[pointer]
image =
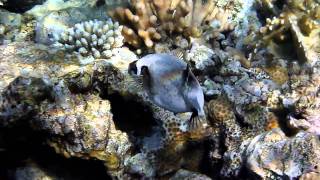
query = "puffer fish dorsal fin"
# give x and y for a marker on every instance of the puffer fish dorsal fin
(188, 77)
(186, 74)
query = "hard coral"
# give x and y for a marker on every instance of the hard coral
(92, 38)
(149, 21)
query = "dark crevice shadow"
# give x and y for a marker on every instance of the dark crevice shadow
(131, 116)
(21, 146)
(21, 6)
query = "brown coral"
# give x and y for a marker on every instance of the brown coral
(148, 21)
(220, 110)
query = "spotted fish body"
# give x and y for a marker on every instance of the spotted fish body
(170, 84)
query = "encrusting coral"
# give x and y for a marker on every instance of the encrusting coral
(91, 38)
(149, 21)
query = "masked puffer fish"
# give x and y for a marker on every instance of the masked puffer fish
(170, 84)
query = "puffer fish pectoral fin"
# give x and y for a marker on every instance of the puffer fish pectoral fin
(146, 77)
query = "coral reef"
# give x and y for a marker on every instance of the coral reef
(80, 124)
(257, 62)
(62, 120)
(92, 38)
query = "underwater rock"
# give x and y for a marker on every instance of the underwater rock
(57, 21)
(140, 164)
(116, 3)
(310, 176)
(274, 155)
(57, 5)
(10, 19)
(10, 23)
(15, 27)
(79, 123)
(201, 56)
(223, 118)
(185, 174)
(32, 171)
(307, 46)
(294, 29)
(86, 131)
(91, 38)
(21, 99)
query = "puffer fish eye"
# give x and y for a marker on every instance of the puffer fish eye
(133, 68)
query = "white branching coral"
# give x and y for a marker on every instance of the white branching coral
(91, 38)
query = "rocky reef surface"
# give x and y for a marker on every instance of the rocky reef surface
(70, 110)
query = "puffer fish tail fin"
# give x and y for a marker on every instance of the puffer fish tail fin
(196, 121)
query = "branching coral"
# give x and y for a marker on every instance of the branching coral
(297, 23)
(149, 21)
(91, 38)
